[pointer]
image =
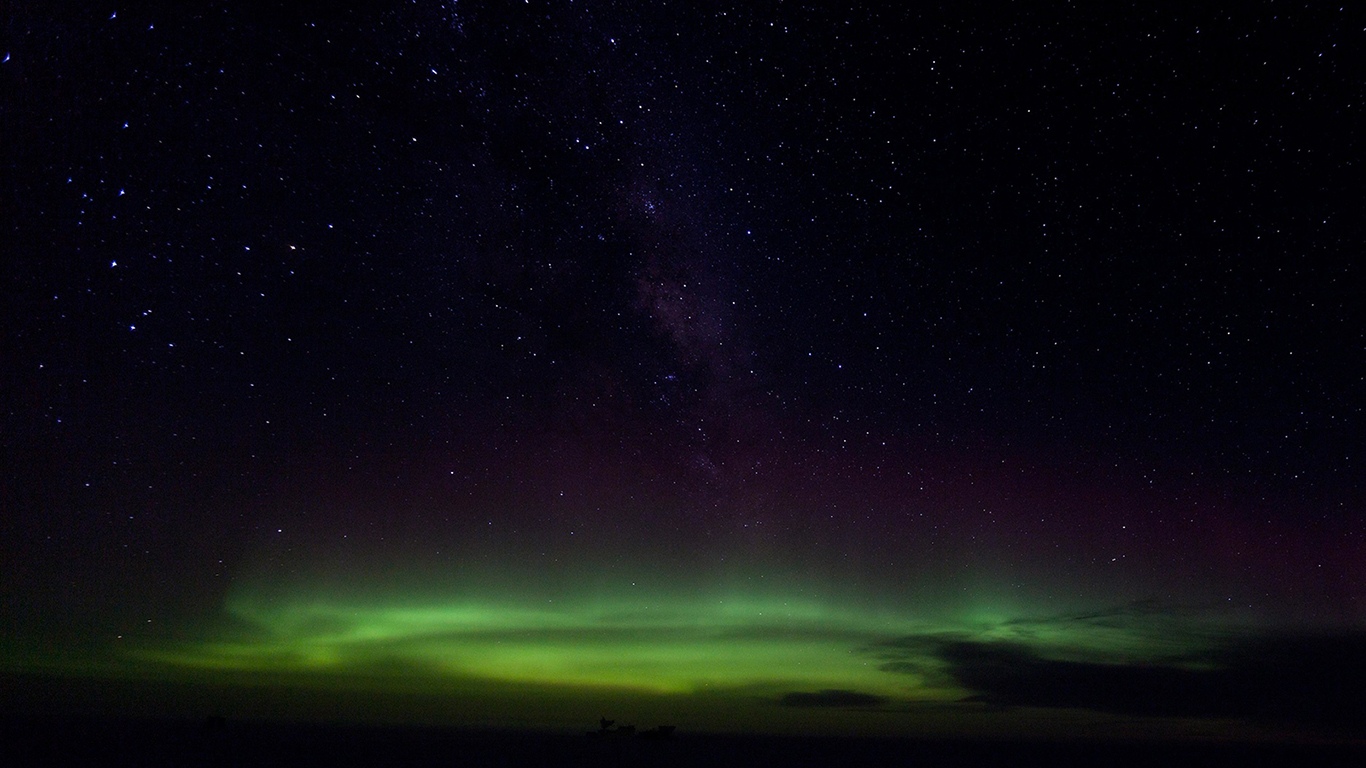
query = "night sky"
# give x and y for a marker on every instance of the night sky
(950, 369)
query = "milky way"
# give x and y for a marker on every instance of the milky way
(765, 368)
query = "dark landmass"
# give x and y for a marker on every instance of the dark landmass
(215, 741)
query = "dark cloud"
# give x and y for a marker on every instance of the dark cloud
(1314, 680)
(831, 698)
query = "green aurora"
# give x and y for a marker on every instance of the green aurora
(719, 660)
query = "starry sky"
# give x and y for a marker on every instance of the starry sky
(957, 369)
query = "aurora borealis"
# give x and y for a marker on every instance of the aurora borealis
(770, 368)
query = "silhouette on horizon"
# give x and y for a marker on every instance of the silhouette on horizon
(658, 733)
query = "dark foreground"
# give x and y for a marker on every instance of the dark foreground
(221, 743)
